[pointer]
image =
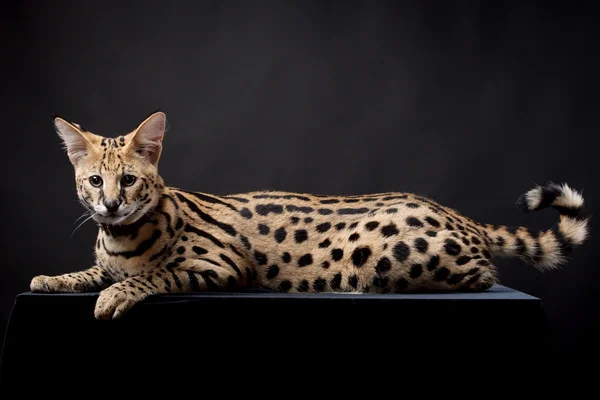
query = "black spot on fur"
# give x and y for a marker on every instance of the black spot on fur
(483, 263)
(354, 237)
(383, 265)
(441, 274)
(263, 229)
(266, 209)
(280, 235)
(337, 254)
(329, 201)
(412, 205)
(421, 245)
(353, 281)
(416, 270)
(261, 258)
(463, 260)
(319, 284)
(351, 211)
(431, 233)
(456, 278)
(286, 257)
(401, 251)
(325, 264)
(451, 247)
(474, 249)
(432, 221)
(285, 286)
(325, 211)
(295, 220)
(300, 236)
(391, 211)
(324, 227)
(353, 225)
(272, 272)
(324, 244)
(180, 250)
(433, 263)
(389, 230)
(245, 242)
(305, 260)
(381, 282)
(303, 286)
(371, 226)
(486, 254)
(466, 241)
(360, 256)
(308, 220)
(336, 281)
(414, 222)
(475, 240)
(303, 209)
(401, 284)
(351, 200)
(449, 227)
(340, 226)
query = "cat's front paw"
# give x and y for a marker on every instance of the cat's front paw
(55, 284)
(114, 302)
(40, 284)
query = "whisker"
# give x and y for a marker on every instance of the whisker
(84, 221)
(83, 215)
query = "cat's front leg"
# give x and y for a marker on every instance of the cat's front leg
(189, 276)
(89, 280)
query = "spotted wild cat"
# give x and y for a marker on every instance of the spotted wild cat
(157, 239)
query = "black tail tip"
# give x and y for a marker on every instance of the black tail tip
(523, 204)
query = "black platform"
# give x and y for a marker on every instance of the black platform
(55, 336)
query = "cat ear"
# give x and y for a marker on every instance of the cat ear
(76, 144)
(147, 138)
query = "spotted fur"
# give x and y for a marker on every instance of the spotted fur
(154, 239)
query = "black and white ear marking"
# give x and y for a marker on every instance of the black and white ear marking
(74, 141)
(147, 138)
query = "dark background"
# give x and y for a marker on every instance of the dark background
(471, 103)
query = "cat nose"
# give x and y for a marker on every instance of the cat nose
(112, 205)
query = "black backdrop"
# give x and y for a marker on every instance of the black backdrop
(470, 103)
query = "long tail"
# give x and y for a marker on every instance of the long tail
(547, 249)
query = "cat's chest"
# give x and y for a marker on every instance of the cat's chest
(128, 256)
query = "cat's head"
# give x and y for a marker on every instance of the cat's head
(117, 178)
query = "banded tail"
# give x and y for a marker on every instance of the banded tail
(544, 249)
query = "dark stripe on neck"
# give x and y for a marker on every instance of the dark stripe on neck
(210, 199)
(141, 249)
(205, 217)
(199, 232)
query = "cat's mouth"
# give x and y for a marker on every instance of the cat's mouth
(121, 217)
(111, 219)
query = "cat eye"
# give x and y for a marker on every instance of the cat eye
(127, 180)
(95, 180)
